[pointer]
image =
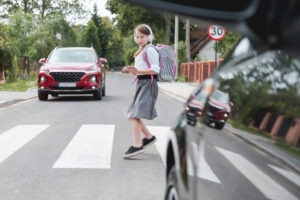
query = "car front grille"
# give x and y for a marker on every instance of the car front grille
(67, 88)
(67, 76)
(212, 108)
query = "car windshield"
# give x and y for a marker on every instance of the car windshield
(220, 96)
(201, 97)
(73, 55)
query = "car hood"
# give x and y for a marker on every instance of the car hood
(197, 104)
(218, 104)
(68, 66)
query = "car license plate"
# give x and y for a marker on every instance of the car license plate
(66, 84)
(191, 114)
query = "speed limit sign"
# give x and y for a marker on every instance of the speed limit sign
(216, 32)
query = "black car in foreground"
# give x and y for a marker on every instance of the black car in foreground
(261, 78)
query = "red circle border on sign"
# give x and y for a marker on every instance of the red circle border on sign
(214, 38)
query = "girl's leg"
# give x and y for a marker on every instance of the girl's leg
(137, 130)
(145, 131)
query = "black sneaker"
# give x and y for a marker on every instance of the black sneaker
(147, 142)
(133, 151)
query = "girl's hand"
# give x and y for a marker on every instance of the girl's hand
(130, 69)
(134, 71)
(126, 69)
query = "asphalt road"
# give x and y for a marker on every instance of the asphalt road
(71, 147)
(46, 148)
(236, 170)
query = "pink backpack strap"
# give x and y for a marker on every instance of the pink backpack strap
(144, 54)
(134, 80)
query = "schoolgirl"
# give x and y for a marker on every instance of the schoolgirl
(143, 104)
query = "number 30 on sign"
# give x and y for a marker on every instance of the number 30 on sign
(216, 32)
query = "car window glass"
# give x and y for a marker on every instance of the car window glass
(265, 83)
(201, 97)
(71, 55)
(220, 96)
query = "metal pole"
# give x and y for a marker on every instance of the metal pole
(216, 55)
(176, 45)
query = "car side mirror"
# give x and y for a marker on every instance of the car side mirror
(103, 60)
(42, 60)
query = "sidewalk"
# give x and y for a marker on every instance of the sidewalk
(181, 92)
(9, 98)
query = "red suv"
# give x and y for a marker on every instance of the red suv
(71, 70)
(217, 109)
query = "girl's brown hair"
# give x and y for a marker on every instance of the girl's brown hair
(142, 29)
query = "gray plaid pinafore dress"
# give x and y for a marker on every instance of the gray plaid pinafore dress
(143, 103)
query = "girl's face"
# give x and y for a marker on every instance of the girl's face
(141, 38)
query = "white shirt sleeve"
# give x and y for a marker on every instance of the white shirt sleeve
(153, 59)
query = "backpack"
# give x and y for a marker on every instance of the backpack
(167, 62)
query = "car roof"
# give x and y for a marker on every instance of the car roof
(82, 48)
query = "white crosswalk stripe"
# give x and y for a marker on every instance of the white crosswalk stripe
(205, 171)
(161, 132)
(289, 175)
(15, 138)
(259, 179)
(91, 147)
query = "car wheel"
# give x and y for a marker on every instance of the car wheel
(219, 126)
(42, 96)
(172, 189)
(98, 94)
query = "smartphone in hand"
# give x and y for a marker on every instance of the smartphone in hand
(127, 69)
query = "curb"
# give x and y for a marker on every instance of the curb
(174, 95)
(267, 151)
(10, 102)
(14, 101)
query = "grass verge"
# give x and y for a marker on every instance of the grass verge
(18, 86)
(288, 148)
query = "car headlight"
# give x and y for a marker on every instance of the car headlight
(93, 78)
(225, 115)
(42, 79)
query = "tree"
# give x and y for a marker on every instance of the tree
(90, 36)
(114, 52)
(101, 33)
(73, 9)
(227, 43)
(128, 16)
(27, 6)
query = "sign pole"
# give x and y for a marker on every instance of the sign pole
(216, 32)
(216, 54)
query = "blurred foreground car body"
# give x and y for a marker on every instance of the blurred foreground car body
(71, 70)
(261, 76)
